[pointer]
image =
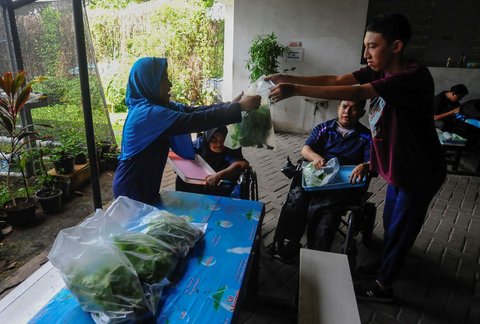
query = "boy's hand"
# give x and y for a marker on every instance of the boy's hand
(359, 173)
(276, 78)
(249, 103)
(282, 91)
(237, 98)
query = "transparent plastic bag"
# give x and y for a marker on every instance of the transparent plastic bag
(99, 275)
(173, 230)
(162, 225)
(322, 176)
(256, 127)
(152, 259)
(116, 275)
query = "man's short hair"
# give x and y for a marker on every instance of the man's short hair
(459, 89)
(391, 26)
(359, 103)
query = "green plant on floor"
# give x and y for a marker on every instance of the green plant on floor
(264, 51)
(13, 99)
(43, 181)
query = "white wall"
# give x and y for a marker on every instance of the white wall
(446, 77)
(332, 35)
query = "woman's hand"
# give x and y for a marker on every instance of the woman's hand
(213, 179)
(359, 173)
(249, 103)
(282, 91)
(237, 98)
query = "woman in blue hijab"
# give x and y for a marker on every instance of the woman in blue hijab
(154, 124)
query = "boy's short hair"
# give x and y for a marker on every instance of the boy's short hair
(459, 89)
(392, 27)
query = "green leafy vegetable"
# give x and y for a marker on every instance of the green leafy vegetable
(175, 231)
(254, 128)
(110, 288)
(151, 259)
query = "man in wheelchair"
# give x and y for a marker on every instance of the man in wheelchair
(227, 164)
(349, 141)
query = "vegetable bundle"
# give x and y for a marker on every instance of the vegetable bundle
(254, 129)
(118, 275)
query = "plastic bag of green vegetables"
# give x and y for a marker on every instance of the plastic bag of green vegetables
(256, 127)
(99, 274)
(173, 230)
(316, 178)
(152, 259)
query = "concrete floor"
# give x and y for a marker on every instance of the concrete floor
(439, 282)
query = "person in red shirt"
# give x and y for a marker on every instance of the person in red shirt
(406, 151)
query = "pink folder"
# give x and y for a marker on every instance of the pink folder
(190, 171)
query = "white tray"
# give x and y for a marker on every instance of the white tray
(190, 171)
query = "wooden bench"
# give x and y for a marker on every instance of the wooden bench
(326, 294)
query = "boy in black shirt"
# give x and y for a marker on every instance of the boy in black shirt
(446, 105)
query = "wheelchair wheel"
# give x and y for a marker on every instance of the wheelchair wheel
(368, 219)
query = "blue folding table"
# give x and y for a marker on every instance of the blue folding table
(212, 278)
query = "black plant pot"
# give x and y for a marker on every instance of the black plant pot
(50, 200)
(65, 165)
(64, 184)
(105, 146)
(80, 158)
(23, 214)
(111, 163)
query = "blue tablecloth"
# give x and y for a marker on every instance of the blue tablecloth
(211, 275)
(471, 121)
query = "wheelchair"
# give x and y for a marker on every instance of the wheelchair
(245, 188)
(248, 185)
(359, 217)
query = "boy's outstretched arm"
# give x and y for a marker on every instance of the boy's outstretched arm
(354, 93)
(314, 80)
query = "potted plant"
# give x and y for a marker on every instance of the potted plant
(63, 159)
(20, 209)
(264, 53)
(71, 139)
(103, 146)
(111, 161)
(49, 194)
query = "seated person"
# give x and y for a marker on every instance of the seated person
(446, 105)
(349, 141)
(227, 164)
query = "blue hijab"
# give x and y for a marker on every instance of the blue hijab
(147, 119)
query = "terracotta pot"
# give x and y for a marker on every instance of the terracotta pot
(23, 214)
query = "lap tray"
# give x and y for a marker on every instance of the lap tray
(341, 181)
(190, 171)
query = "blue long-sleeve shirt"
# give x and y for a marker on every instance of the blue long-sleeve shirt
(352, 149)
(140, 176)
